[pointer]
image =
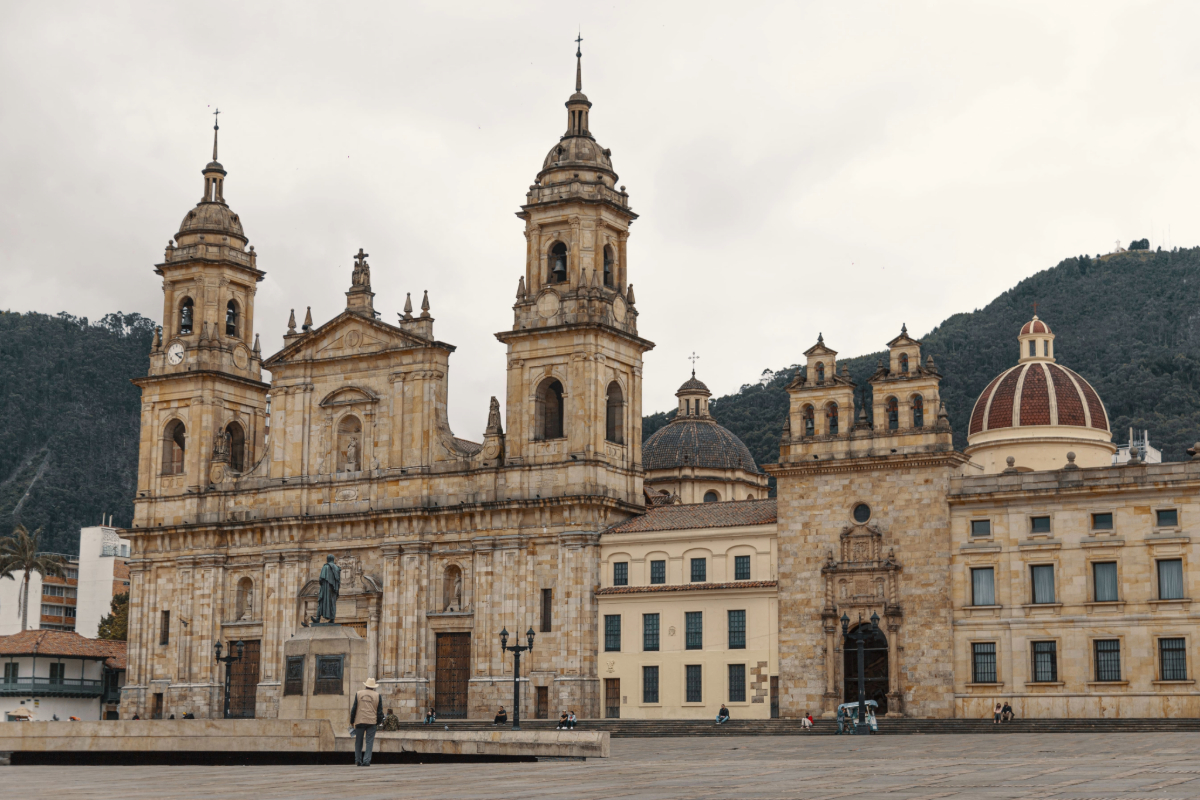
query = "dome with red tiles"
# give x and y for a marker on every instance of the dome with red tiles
(1038, 411)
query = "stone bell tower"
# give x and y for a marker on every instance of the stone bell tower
(203, 402)
(574, 354)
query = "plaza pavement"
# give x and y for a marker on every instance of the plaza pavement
(1158, 766)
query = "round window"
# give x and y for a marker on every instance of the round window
(862, 513)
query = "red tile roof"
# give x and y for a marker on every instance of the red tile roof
(686, 587)
(64, 643)
(729, 514)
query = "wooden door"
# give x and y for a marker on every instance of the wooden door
(157, 713)
(612, 698)
(543, 703)
(243, 682)
(452, 672)
(774, 697)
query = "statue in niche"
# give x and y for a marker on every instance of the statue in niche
(248, 605)
(327, 596)
(453, 589)
(352, 456)
(221, 445)
(493, 423)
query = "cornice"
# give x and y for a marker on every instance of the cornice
(951, 458)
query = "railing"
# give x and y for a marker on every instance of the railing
(35, 685)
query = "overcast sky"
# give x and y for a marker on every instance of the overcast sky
(798, 167)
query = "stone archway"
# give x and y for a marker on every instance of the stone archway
(876, 660)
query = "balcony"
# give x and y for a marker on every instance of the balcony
(45, 687)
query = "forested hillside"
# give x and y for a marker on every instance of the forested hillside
(69, 421)
(1128, 322)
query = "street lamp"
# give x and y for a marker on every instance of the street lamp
(516, 650)
(859, 638)
(227, 661)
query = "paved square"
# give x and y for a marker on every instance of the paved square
(1067, 766)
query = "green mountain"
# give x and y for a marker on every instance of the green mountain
(69, 436)
(1128, 322)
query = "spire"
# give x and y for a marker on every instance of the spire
(292, 322)
(407, 305)
(578, 66)
(425, 305)
(308, 319)
(216, 128)
(521, 288)
(257, 347)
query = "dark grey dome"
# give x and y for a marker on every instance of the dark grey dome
(696, 442)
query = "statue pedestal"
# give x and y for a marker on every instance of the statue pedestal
(324, 665)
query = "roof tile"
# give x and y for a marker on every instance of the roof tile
(729, 514)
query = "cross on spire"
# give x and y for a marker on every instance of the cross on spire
(216, 128)
(578, 62)
(360, 256)
(693, 358)
(1035, 308)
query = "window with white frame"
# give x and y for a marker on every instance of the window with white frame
(1104, 581)
(983, 586)
(1170, 579)
(1042, 576)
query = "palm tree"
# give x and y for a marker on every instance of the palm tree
(19, 553)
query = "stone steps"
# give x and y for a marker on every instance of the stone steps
(641, 728)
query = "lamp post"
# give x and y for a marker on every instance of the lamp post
(859, 638)
(516, 650)
(227, 661)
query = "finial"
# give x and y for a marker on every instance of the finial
(308, 319)
(693, 358)
(578, 62)
(425, 305)
(292, 323)
(820, 338)
(1035, 309)
(1011, 469)
(257, 348)
(629, 295)
(1194, 451)
(1071, 461)
(408, 305)
(904, 329)
(521, 288)
(216, 128)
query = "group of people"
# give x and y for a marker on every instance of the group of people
(1003, 713)
(847, 719)
(566, 722)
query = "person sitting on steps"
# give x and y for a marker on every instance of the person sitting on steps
(431, 716)
(563, 722)
(723, 714)
(501, 716)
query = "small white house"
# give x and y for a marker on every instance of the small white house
(50, 675)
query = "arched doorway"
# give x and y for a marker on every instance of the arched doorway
(876, 672)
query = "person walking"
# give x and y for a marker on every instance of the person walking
(365, 715)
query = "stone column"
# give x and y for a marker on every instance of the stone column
(373, 641)
(269, 603)
(390, 633)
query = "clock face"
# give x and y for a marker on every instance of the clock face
(175, 354)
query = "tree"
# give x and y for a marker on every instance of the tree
(19, 553)
(116, 624)
(1139, 244)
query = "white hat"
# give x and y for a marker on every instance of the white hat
(371, 684)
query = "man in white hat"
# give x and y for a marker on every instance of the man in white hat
(365, 715)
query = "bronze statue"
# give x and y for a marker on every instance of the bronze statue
(331, 582)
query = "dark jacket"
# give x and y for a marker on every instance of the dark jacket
(370, 697)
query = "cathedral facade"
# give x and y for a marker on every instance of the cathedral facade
(245, 486)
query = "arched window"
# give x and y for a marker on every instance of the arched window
(231, 318)
(904, 362)
(174, 446)
(558, 263)
(614, 417)
(918, 408)
(820, 372)
(608, 265)
(185, 316)
(711, 497)
(831, 419)
(893, 414)
(236, 436)
(548, 409)
(809, 421)
(349, 445)
(244, 611)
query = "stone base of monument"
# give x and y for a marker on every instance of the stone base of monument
(251, 741)
(324, 665)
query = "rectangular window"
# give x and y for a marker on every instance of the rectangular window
(649, 684)
(72, 574)
(1039, 524)
(612, 633)
(650, 632)
(983, 662)
(737, 630)
(12, 671)
(1033, 349)
(51, 611)
(695, 683)
(164, 633)
(621, 573)
(1043, 583)
(658, 571)
(69, 612)
(1170, 579)
(1102, 522)
(1172, 655)
(52, 591)
(57, 673)
(1108, 659)
(741, 568)
(1045, 662)
(694, 626)
(1167, 518)
(1104, 574)
(737, 683)
(547, 610)
(293, 677)
(981, 527)
(69, 591)
(699, 570)
(983, 586)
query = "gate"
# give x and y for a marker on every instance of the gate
(875, 673)
(453, 670)
(243, 682)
